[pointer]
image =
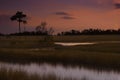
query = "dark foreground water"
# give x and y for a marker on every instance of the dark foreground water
(63, 72)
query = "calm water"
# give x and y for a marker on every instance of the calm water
(62, 72)
(74, 44)
(83, 43)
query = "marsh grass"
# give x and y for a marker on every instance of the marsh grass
(65, 56)
(87, 38)
(25, 42)
(35, 49)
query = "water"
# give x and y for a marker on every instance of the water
(74, 44)
(83, 43)
(62, 72)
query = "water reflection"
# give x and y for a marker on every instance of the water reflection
(74, 44)
(83, 43)
(62, 72)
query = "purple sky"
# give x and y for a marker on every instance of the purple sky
(61, 14)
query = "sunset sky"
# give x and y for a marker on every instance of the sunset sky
(62, 15)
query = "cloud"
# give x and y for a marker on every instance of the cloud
(68, 17)
(117, 5)
(64, 15)
(61, 13)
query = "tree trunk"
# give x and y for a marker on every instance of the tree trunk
(19, 28)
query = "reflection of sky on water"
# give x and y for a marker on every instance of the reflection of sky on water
(63, 72)
(83, 43)
(74, 44)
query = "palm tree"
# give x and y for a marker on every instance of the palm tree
(20, 18)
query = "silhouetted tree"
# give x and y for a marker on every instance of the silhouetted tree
(20, 18)
(42, 29)
(46, 31)
(50, 31)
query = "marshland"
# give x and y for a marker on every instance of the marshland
(20, 56)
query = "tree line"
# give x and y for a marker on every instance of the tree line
(90, 32)
(44, 29)
(43, 32)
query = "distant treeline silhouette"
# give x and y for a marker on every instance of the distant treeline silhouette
(44, 31)
(32, 33)
(91, 32)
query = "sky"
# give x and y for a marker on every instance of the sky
(62, 15)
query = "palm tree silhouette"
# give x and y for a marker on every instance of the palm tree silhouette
(20, 18)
